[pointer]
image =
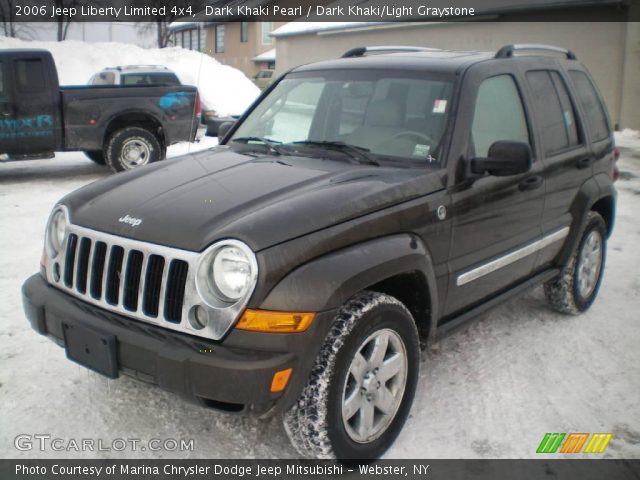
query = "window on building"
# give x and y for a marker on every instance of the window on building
(591, 104)
(219, 38)
(553, 111)
(203, 39)
(30, 75)
(244, 32)
(499, 115)
(267, 28)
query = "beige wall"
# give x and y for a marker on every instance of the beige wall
(236, 53)
(611, 51)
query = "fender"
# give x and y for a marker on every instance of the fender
(330, 280)
(590, 192)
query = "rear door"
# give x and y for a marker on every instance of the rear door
(565, 153)
(7, 113)
(36, 105)
(496, 220)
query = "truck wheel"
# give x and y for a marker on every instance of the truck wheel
(132, 147)
(95, 156)
(575, 289)
(362, 385)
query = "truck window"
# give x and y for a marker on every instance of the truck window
(591, 104)
(30, 76)
(499, 115)
(553, 111)
(2, 93)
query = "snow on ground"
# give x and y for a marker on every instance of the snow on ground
(222, 88)
(489, 390)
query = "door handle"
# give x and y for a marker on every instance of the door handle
(531, 183)
(584, 163)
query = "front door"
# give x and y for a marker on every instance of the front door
(496, 220)
(37, 122)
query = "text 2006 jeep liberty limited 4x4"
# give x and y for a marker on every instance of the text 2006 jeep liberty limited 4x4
(360, 205)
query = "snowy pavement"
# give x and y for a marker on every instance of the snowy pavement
(490, 390)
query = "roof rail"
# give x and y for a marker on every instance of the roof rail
(131, 67)
(508, 51)
(362, 51)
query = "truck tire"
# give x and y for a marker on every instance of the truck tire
(95, 156)
(362, 384)
(575, 289)
(132, 147)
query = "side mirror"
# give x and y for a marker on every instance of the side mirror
(224, 128)
(505, 158)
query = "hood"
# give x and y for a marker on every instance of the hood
(189, 202)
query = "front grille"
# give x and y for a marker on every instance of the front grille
(126, 278)
(144, 281)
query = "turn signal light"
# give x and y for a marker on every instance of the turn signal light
(280, 380)
(275, 322)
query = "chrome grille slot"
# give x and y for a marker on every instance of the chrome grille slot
(113, 275)
(132, 280)
(148, 282)
(174, 296)
(83, 265)
(153, 280)
(70, 260)
(97, 268)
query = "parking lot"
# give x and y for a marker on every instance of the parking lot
(489, 390)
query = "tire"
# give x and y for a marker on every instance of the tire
(315, 422)
(95, 156)
(576, 288)
(132, 147)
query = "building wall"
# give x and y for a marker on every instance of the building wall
(610, 50)
(240, 54)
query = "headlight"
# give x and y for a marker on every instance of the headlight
(226, 273)
(56, 231)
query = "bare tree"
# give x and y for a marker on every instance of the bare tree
(7, 17)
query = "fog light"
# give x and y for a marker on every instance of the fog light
(280, 380)
(198, 317)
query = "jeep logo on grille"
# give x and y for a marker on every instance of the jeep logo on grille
(134, 222)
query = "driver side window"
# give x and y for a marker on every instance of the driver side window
(499, 115)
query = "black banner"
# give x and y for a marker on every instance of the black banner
(318, 10)
(556, 469)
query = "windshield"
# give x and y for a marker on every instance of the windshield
(387, 115)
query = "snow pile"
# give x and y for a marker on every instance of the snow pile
(303, 28)
(628, 138)
(222, 88)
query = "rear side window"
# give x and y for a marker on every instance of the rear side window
(30, 75)
(150, 79)
(499, 115)
(591, 104)
(553, 111)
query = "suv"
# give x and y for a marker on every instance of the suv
(135, 75)
(361, 207)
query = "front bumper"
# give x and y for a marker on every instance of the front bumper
(213, 124)
(235, 376)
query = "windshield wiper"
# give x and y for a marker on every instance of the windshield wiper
(354, 151)
(271, 144)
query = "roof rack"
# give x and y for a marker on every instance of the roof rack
(508, 51)
(362, 51)
(131, 67)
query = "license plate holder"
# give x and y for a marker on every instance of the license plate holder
(91, 348)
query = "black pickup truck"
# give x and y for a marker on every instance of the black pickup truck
(361, 207)
(124, 127)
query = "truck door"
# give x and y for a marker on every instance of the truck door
(496, 220)
(7, 114)
(36, 103)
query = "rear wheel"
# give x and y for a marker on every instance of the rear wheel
(95, 156)
(576, 288)
(132, 147)
(362, 384)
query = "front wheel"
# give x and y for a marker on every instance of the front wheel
(576, 288)
(132, 147)
(362, 385)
